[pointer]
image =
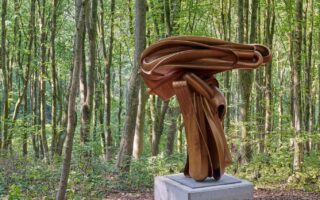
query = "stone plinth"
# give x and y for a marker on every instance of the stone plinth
(179, 187)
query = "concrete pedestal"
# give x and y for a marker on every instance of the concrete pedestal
(179, 187)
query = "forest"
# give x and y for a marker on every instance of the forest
(77, 121)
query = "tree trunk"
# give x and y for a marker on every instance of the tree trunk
(25, 132)
(179, 137)
(308, 83)
(159, 113)
(108, 62)
(55, 138)
(245, 79)
(74, 85)
(318, 145)
(64, 120)
(26, 78)
(120, 94)
(125, 151)
(5, 140)
(296, 95)
(43, 51)
(173, 114)
(227, 75)
(269, 31)
(34, 102)
(139, 129)
(87, 85)
(280, 101)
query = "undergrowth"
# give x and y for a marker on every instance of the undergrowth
(24, 178)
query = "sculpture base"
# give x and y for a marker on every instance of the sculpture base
(179, 187)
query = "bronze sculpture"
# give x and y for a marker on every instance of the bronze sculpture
(185, 66)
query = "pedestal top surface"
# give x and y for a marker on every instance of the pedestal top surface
(208, 182)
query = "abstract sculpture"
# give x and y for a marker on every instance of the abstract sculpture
(185, 66)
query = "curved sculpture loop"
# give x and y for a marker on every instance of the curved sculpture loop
(185, 66)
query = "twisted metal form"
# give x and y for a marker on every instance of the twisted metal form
(185, 66)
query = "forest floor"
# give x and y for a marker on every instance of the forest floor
(259, 194)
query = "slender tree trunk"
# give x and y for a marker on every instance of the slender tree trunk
(4, 68)
(172, 113)
(33, 99)
(179, 137)
(25, 132)
(308, 84)
(84, 110)
(167, 17)
(157, 128)
(107, 89)
(26, 79)
(280, 101)
(130, 16)
(126, 145)
(260, 90)
(74, 85)
(139, 129)
(55, 138)
(92, 35)
(296, 95)
(318, 145)
(26, 74)
(269, 30)
(120, 93)
(227, 75)
(87, 84)
(245, 79)
(43, 38)
(64, 120)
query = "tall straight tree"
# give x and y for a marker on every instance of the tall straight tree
(139, 129)
(245, 79)
(296, 91)
(318, 145)
(226, 23)
(54, 141)
(88, 83)
(107, 96)
(269, 32)
(43, 52)
(308, 81)
(74, 85)
(5, 140)
(126, 145)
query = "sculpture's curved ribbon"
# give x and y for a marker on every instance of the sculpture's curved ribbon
(185, 66)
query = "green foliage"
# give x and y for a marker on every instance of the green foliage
(90, 177)
(274, 168)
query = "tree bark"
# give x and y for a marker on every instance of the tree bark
(318, 145)
(308, 83)
(227, 78)
(55, 138)
(107, 90)
(139, 129)
(159, 113)
(296, 94)
(179, 137)
(245, 79)
(5, 140)
(125, 151)
(173, 114)
(269, 31)
(74, 85)
(43, 51)
(120, 93)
